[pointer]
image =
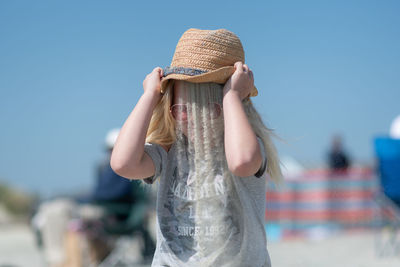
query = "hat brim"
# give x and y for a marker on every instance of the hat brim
(220, 76)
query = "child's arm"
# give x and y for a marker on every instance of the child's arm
(128, 158)
(242, 150)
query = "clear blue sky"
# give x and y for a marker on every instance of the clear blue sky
(71, 70)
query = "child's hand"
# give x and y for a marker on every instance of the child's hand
(241, 81)
(152, 82)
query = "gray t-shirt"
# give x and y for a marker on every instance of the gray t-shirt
(232, 231)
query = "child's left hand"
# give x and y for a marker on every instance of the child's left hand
(241, 82)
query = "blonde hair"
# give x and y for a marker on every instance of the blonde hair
(162, 128)
(162, 125)
(264, 133)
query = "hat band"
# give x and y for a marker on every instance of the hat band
(181, 70)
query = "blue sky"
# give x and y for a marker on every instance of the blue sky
(72, 70)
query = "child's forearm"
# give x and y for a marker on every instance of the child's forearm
(128, 158)
(129, 147)
(242, 150)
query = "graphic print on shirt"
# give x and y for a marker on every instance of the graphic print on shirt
(197, 219)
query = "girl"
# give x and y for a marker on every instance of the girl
(195, 130)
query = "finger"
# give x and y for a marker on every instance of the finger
(239, 66)
(157, 69)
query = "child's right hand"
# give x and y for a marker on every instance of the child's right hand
(152, 82)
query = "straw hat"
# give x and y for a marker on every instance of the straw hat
(205, 56)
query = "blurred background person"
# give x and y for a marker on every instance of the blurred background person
(120, 207)
(109, 186)
(115, 207)
(338, 160)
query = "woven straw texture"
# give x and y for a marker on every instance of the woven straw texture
(213, 51)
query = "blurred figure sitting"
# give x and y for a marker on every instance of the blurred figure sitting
(115, 207)
(123, 208)
(338, 161)
(110, 187)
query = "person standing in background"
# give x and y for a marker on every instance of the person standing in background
(338, 160)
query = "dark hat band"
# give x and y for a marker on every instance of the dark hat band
(181, 70)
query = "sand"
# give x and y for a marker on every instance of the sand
(344, 249)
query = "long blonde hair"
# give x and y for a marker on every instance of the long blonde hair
(162, 128)
(162, 125)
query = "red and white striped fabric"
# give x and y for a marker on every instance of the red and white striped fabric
(318, 197)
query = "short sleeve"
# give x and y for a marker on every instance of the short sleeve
(159, 156)
(263, 167)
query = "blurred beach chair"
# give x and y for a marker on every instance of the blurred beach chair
(387, 152)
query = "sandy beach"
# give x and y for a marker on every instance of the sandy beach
(344, 249)
(17, 247)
